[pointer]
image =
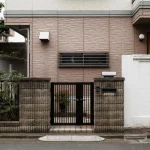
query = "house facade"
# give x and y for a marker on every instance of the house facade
(86, 36)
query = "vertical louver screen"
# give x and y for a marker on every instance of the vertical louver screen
(100, 60)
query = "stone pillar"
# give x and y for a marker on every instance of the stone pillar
(34, 107)
(109, 105)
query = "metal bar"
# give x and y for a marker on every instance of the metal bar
(72, 90)
(92, 103)
(52, 103)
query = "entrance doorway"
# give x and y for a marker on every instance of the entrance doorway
(148, 43)
(72, 103)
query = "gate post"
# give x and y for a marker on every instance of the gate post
(34, 108)
(109, 104)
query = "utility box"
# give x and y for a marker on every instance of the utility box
(109, 104)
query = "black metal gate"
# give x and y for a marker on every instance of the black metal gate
(72, 103)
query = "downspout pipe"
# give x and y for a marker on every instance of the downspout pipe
(28, 50)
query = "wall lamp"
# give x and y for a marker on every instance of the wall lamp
(141, 37)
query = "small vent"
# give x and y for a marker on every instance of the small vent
(82, 60)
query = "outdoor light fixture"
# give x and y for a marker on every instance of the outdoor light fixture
(141, 37)
(44, 36)
(108, 74)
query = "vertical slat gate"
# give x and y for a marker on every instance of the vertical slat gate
(72, 103)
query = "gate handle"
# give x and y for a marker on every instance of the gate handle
(80, 100)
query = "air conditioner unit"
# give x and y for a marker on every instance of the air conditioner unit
(44, 36)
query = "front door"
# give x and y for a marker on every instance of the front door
(72, 103)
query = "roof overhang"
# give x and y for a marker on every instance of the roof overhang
(21, 29)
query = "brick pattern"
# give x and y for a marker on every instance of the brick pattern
(116, 35)
(121, 41)
(45, 53)
(109, 107)
(70, 34)
(34, 106)
(96, 34)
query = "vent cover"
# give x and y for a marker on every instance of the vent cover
(100, 60)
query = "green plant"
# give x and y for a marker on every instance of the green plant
(63, 99)
(12, 52)
(1, 6)
(9, 95)
(3, 28)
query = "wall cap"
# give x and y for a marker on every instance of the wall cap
(109, 79)
(36, 79)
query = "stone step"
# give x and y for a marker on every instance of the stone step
(71, 129)
(75, 138)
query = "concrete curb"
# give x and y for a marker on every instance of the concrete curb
(38, 135)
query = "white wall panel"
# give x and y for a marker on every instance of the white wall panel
(68, 5)
(120, 5)
(96, 5)
(137, 91)
(18, 5)
(44, 4)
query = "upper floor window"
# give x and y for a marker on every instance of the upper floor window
(100, 60)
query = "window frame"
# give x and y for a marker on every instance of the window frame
(83, 55)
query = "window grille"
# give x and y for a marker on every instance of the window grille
(100, 60)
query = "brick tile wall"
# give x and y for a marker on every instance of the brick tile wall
(116, 35)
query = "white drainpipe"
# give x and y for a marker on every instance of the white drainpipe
(28, 54)
(28, 51)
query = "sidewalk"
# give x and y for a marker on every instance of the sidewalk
(37, 135)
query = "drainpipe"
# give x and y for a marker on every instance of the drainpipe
(28, 54)
(28, 51)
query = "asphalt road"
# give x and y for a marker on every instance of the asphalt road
(30, 144)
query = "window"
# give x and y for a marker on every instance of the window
(82, 60)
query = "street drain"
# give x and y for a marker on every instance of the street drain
(135, 138)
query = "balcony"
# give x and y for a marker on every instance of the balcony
(141, 11)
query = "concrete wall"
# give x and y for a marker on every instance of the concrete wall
(68, 5)
(34, 108)
(34, 105)
(109, 106)
(136, 71)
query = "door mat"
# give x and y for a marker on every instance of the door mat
(71, 138)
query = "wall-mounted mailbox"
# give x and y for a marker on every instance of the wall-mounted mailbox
(98, 89)
(44, 36)
(106, 90)
(109, 104)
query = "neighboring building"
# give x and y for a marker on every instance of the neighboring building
(14, 36)
(3, 37)
(86, 36)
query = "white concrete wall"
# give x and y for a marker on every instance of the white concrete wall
(68, 4)
(16, 38)
(137, 91)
